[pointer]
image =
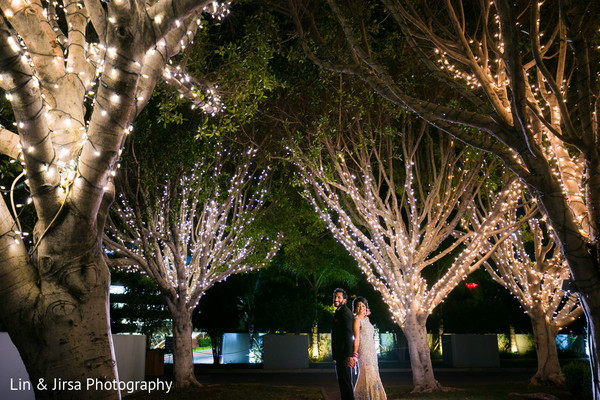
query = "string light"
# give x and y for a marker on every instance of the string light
(480, 64)
(56, 128)
(393, 236)
(536, 282)
(211, 221)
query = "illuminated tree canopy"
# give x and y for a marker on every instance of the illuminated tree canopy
(400, 203)
(522, 75)
(190, 233)
(535, 277)
(76, 75)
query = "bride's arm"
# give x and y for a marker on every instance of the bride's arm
(356, 328)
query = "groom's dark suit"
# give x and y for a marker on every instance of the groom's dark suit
(342, 342)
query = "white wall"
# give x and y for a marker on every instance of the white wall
(236, 348)
(130, 352)
(12, 367)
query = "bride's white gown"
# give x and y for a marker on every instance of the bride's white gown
(368, 386)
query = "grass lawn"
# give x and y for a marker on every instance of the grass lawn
(265, 392)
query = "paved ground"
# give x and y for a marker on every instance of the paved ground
(325, 377)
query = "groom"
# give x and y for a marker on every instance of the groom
(342, 341)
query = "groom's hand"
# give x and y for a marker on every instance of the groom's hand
(351, 362)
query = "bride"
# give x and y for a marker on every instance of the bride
(368, 386)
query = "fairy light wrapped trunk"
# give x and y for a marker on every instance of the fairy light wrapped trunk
(76, 74)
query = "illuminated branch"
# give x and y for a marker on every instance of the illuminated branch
(487, 234)
(400, 203)
(439, 115)
(479, 56)
(195, 233)
(202, 94)
(73, 72)
(535, 279)
(395, 236)
(50, 86)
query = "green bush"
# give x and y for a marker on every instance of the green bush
(204, 342)
(578, 379)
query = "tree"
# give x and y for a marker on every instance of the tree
(309, 251)
(77, 74)
(535, 278)
(190, 233)
(522, 75)
(139, 308)
(220, 310)
(322, 263)
(480, 305)
(398, 202)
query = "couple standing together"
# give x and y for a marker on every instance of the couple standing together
(353, 349)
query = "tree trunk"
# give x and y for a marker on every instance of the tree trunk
(592, 313)
(315, 324)
(512, 339)
(216, 341)
(548, 372)
(183, 356)
(420, 355)
(61, 326)
(583, 261)
(314, 352)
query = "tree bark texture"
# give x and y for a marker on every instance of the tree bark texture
(183, 356)
(544, 332)
(71, 303)
(420, 356)
(216, 341)
(74, 97)
(314, 342)
(524, 79)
